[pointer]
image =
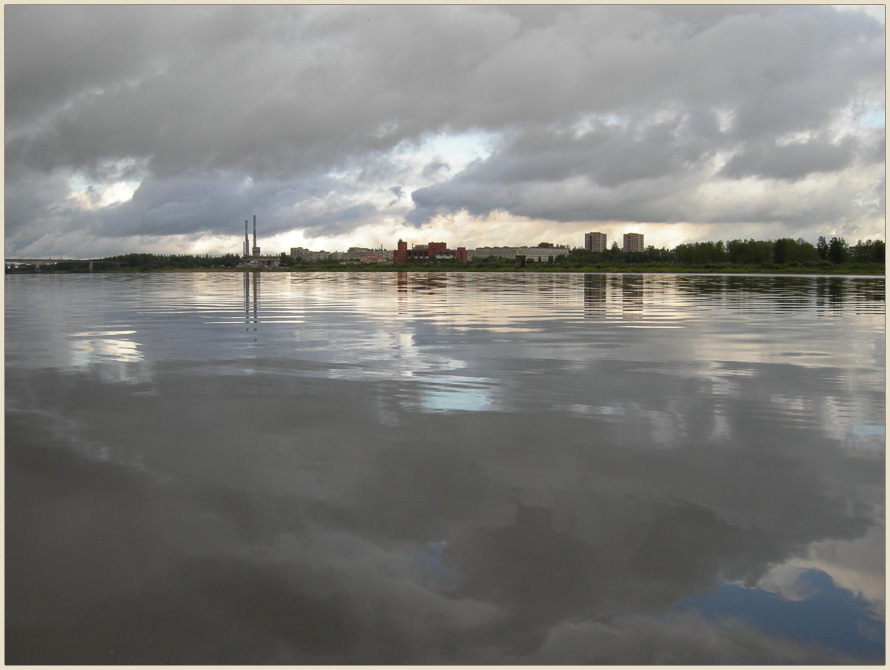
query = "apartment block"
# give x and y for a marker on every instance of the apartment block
(531, 253)
(633, 242)
(595, 241)
(309, 255)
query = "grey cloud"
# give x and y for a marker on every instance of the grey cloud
(434, 168)
(791, 161)
(642, 172)
(219, 202)
(339, 220)
(287, 93)
(576, 178)
(675, 640)
(398, 192)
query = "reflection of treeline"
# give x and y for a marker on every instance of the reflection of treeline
(787, 290)
(784, 252)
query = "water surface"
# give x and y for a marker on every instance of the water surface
(444, 468)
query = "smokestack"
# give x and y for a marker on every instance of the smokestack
(246, 241)
(256, 249)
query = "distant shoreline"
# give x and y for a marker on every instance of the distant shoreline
(877, 270)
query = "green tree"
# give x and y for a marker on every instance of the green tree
(783, 250)
(870, 251)
(838, 251)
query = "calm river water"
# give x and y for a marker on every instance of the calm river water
(444, 468)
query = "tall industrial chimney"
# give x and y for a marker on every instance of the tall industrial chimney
(246, 241)
(256, 249)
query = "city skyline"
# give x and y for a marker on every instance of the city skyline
(147, 127)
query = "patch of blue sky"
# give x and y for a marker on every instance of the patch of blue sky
(873, 119)
(829, 616)
(116, 181)
(459, 148)
(429, 559)
(867, 112)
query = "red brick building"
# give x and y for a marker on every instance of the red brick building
(423, 253)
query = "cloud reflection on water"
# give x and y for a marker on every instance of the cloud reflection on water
(388, 485)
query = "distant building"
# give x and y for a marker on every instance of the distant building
(531, 253)
(261, 261)
(255, 259)
(367, 255)
(354, 255)
(633, 242)
(309, 255)
(595, 241)
(423, 253)
(302, 252)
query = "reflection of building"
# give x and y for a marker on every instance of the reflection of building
(594, 295)
(633, 242)
(631, 293)
(530, 253)
(595, 241)
(248, 302)
(423, 253)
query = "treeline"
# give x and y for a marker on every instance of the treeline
(139, 263)
(784, 252)
(145, 262)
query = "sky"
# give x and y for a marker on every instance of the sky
(163, 128)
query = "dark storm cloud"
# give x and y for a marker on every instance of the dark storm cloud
(580, 175)
(338, 220)
(168, 205)
(675, 640)
(293, 93)
(648, 173)
(792, 161)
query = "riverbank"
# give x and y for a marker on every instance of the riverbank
(870, 269)
(846, 269)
